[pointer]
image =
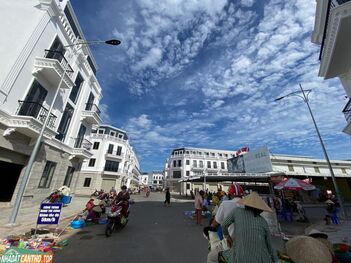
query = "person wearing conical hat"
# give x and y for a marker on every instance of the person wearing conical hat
(252, 237)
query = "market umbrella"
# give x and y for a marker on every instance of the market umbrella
(294, 184)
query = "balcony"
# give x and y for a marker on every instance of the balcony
(52, 67)
(347, 113)
(332, 26)
(82, 148)
(91, 114)
(29, 119)
(114, 155)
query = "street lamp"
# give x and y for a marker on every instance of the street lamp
(304, 97)
(36, 147)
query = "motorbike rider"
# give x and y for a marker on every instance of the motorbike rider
(123, 196)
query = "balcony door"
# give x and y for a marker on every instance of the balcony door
(34, 100)
(80, 136)
(64, 123)
(57, 50)
(90, 102)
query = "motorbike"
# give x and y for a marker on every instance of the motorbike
(116, 221)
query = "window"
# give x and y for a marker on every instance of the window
(112, 133)
(316, 169)
(119, 150)
(110, 148)
(222, 166)
(220, 155)
(201, 164)
(226, 155)
(120, 136)
(57, 50)
(92, 162)
(87, 182)
(187, 186)
(187, 162)
(177, 174)
(187, 173)
(90, 102)
(174, 163)
(215, 165)
(80, 136)
(212, 154)
(207, 153)
(46, 177)
(101, 131)
(343, 170)
(64, 123)
(32, 104)
(96, 145)
(187, 152)
(68, 177)
(208, 164)
(76, 88)
(179, 163)
(111, 166)
(194, 163)
(290, 167)
(155, 182)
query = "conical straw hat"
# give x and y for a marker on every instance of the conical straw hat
(255, 201)
(303, 249)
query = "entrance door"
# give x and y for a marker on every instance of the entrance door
(11, 172)
(107, 184)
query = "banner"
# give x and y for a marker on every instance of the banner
(49, 214)
(258, 161)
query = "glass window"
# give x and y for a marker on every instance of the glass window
(76, 88)
(112, 133)
(92, 162)
(64, 123)
(187, 162)
(208, 164)
(316, 169)
(194, 163)
(215, 165)
(68, 177)
(174, 163)
(212, 154)
(290, 167)
(57, 50)
(47, 175)
(177, 174)
(187, 173)
(110, 148)
(87, 182)
(222, 165)
(96, 145)
(179, 163)
(119, 150)
(343, 170)
(111, 166)
(201, 164)
(101, 131)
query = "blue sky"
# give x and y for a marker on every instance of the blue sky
(204, 73)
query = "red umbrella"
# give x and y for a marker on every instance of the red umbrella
(294, 184)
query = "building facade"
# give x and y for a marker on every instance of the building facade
(332, 31)
(157, 180)
(191, 162)
(113, 162)
(35, 64)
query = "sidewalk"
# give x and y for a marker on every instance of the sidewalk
(27, 217)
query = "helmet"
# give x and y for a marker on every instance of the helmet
(124, 187)
(235, 190)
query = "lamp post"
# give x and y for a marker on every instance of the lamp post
(304, 97)
(37, 145)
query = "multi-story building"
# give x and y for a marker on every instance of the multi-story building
(332, 31)
(144, 180)
(189, 162)
(113, 162)
(35, 63)
(157, 180)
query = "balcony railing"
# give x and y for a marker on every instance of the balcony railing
(347, 111)
(117, 153)
(82, 143)
(58, 55)
(36, 110)
(92, 107)
(331, 5)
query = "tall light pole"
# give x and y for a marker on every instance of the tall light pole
(305, 99)
(36, 147)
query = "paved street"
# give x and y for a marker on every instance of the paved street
(153, 234)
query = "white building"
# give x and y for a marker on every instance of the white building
(332, 31)
(33, 60)
(113, 162)
(144, 180)
(189, 162)
(157, 180)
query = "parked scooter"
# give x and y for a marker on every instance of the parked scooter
(116, 220)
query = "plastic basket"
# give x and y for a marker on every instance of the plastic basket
(66, 199)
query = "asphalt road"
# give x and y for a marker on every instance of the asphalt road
(153, 234)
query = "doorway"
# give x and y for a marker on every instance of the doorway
(11, 172)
